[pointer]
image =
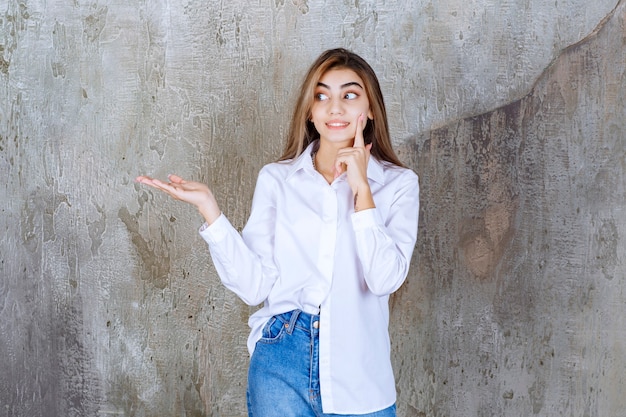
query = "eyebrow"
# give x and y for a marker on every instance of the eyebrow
(351, 83)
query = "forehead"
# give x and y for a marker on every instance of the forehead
(337, 77)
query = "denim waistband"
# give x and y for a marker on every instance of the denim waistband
(300, 319)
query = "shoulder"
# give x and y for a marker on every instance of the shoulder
(397, 191)
(275, 171)
(277, 168)
(395, 174)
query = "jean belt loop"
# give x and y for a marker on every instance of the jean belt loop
(292, 320)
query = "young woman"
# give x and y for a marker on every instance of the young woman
(330, 235)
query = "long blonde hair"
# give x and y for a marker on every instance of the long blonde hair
(302, 131)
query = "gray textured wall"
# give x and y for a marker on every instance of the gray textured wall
(512, 113)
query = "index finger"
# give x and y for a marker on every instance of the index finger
(359, 142)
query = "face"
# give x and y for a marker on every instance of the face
(339, 99)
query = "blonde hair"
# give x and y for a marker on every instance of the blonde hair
(302, 131)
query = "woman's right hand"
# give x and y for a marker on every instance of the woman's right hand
(191, 192)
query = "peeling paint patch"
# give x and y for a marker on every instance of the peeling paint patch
(94, 23)
(96, 229)
(12, 24)
(302, 5)
(155, 266)
(604, 247)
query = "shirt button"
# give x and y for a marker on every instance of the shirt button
(316, 324)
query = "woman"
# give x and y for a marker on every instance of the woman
(331, 232)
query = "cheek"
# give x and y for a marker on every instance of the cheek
(314, 112)
(366, 110)
(318, 125)
(363, 108)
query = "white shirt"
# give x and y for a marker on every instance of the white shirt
(305, 248)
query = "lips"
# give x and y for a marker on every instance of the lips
(337, 124)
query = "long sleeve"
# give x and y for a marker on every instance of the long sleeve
(385, 244)
(245, 262)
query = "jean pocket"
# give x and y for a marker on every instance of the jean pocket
(273, 331)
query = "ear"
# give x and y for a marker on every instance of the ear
(370, 115)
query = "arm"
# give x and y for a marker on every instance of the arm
(245, 263)
(248, 274)
(385, 246)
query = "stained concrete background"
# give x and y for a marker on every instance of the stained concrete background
(512, 113)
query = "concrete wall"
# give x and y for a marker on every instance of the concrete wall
(512, 113)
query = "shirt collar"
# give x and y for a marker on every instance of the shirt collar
(304, 162)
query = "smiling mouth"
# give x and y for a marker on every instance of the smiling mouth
(337, 124)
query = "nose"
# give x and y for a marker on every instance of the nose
(336, 106)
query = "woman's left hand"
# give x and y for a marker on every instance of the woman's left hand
(353, 160)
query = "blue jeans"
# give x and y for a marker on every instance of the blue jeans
(283, 379)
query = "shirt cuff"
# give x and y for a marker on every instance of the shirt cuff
(365, 219)
(216, 231)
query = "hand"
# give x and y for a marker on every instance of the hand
(354, 160)
(190, 192)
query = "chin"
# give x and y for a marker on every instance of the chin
(339, 140)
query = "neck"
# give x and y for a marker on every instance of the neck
(328, 150)
(324, 158)
(324, 161)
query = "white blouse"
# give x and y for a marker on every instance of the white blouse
(305, 248)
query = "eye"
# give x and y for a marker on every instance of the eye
(321, 97)
(350, 96)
